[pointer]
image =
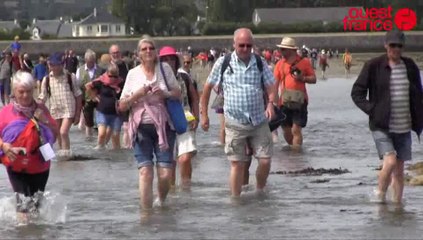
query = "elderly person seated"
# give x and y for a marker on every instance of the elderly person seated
(26, 130)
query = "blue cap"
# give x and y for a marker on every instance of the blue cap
(56, 58)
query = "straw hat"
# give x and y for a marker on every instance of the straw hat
(287, 42)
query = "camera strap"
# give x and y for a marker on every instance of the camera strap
(37, 126)
(280, 91)
(293, 65)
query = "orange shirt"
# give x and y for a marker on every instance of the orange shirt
(282, 73)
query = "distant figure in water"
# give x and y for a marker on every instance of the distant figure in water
(394, 106)
(347, 60)
(323, 62)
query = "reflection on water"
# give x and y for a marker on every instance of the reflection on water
(99, 198)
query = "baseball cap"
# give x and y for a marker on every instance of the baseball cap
(395, 36)
(56, 58)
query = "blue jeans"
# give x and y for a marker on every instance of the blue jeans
(147, 143)
(398, 143)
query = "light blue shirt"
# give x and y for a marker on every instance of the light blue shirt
(243, 89)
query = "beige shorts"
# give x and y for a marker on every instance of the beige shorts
(185, 143)
(238, 135)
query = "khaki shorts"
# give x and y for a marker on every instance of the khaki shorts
(186, 143)
(237, 135)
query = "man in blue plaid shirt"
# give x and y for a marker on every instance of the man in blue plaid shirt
(246, 115)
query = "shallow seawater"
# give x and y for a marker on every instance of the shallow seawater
(99, 198)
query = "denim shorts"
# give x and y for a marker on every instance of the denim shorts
(109, 120)
(147, 144)
(398, 143)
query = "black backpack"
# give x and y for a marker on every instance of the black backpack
(280, 116)
(225, 65)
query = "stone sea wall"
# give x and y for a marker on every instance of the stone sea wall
(357, 42)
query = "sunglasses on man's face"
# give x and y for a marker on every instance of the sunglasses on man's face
(395, 45)
(187, 62)
(243, 45)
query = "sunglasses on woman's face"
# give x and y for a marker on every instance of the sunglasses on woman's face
(144, 49)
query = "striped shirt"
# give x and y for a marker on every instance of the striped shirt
(243, 89)
(400, 119)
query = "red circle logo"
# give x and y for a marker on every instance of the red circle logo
(405, 19)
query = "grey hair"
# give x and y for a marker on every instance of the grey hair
(113, 69)
(146, 39)
(239, 30)
(113, 45)
(22, 78)
(90, 54)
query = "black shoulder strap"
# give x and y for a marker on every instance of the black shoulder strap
(48, 84)
(225, 65)
(69, 76)
(259, 62)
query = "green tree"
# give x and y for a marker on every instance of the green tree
(157, 17)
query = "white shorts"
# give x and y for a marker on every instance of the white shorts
(185, 143)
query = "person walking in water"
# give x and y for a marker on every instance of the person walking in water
(26, 127)
(186, 144)
(145, 92)
(65, 100)
(347, 60)
(394, 105)
(292, 74)
(323, 63)
(246, 116)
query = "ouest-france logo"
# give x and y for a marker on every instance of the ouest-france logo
(379, 19)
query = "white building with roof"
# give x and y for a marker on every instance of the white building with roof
(99, 24)
(55, 27)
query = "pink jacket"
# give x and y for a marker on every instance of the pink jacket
(156, 109)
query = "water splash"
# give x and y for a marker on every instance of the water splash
(53, 210)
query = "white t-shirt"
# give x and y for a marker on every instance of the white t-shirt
(136, 79)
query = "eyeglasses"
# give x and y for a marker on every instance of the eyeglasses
(117, 52)
(243, 45)
(148, 48)
(187, 62)
(167, 58)
(395, 45)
